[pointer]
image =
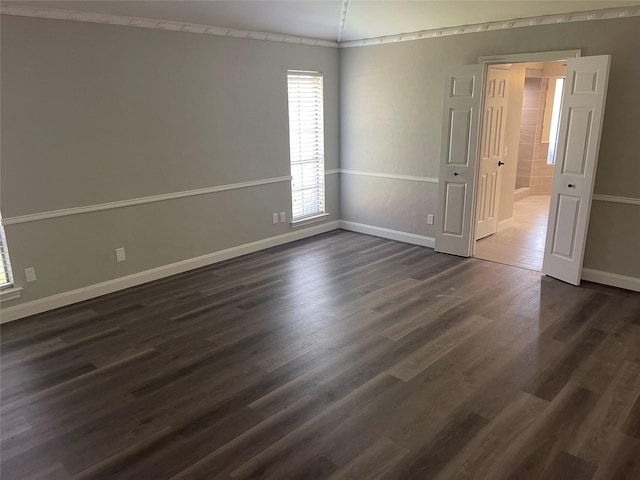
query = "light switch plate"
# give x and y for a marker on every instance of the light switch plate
(120, 255)
(430, 219)
(30, 274)
(274, 218)
(283, 217)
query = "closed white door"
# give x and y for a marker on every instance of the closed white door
(458, 153)
(581, 117)
(492, 150)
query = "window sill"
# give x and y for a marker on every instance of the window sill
(309, 220)
(10, 293)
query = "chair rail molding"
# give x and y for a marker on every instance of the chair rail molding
(413, 178)
(34, 217)
(615, 199)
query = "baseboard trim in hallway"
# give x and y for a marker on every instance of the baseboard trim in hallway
(504, 224)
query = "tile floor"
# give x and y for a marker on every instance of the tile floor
(521, 245)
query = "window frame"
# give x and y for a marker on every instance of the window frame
(306, 156)
(5, 261)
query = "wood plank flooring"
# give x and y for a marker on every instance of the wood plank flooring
(341, 356)
(521, 244)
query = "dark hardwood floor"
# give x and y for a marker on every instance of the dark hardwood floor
(341, 356)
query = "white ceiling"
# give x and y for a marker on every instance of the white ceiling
(322, 18)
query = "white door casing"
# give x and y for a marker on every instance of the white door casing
(492, 150)
(458, 153)
(581, 118)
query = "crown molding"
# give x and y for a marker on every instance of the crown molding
(343, 19)
(57, 14)
(605, 14)
(140, 22)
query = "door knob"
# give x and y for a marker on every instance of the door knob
(571, 185)
(455, 174)
(500, 163)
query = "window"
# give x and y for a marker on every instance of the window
(306, 144)
(5, 267)
(555, 121)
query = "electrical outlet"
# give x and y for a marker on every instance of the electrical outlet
(283, 217)
(30, 274)
(120, 255)
(430, 219)
(274, 218)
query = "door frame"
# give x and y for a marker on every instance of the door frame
(550, 56)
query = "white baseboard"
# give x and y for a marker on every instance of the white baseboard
(411, 238)
(611, 279)
(9, 314)
(504, 224)
(521, 193)
(85, 293)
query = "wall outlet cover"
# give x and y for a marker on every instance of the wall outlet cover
(30, 274)
(120, 255)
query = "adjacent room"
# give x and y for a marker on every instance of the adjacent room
(319, 239)
(529, 111)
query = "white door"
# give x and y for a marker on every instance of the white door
(581, 116)
(492, 150)
(458, 153)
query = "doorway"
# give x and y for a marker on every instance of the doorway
(580, 128)
(518, 143)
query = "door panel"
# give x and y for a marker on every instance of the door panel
(581, 119)
(565, 226)
(492, 148)
(462, 86)
(574, 158)
(487, 187)
(584, 82)
(454, 208)
(459, 148)
(459, 127)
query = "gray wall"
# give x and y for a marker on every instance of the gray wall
(98, 113)
(391, 113)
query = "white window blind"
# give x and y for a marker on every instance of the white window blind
(5, 265)
(306, 138)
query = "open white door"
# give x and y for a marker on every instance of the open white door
(458, 153)
(581, 117)
(492, 150)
